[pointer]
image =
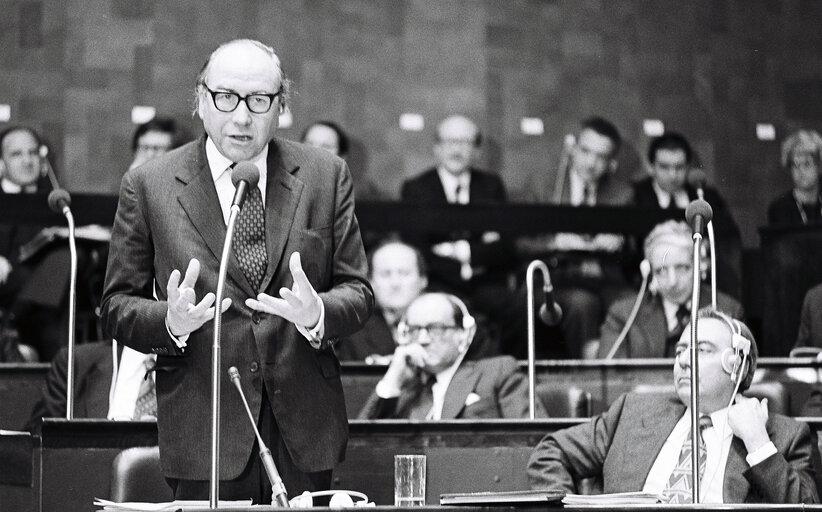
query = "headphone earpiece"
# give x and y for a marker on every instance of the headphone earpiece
(732, 358)
(469, 324)
(730, 361)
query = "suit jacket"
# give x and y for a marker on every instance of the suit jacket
(611, 191)
(810, 320)
(168, 213)
(374, 338)
(783, 211)
(647, 336)
(622, 444)
(493, 259)
(484, 388)
(92, 383)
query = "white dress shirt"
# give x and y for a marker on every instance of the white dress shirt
(457, 188)
(126, 384)
(577, 191)
(680, 197)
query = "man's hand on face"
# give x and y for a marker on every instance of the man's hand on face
(405, 363)
(747, 418)
(185, 315)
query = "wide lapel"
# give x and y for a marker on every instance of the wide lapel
(735, 487)
(434, 183)
(653, 429)
(654, 327)
(462, 384)
(200, 202)
(283, 191)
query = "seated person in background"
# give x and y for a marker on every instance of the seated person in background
(802, 156)
(666, 307)
(810, 320)
(642, 443)
(588, 279)
(428, 377)
(97, 394)
(670, 160)
(397, 274)
(153, 138)
(327, 135)
(474, 266)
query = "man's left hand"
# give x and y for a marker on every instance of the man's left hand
(747, 418)
(299, 305)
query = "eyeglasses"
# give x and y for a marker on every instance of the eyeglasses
(434, 332)
(226, 101)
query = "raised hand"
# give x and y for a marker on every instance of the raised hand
(185, 315)
(299, 305)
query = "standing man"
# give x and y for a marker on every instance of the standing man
(296, 282)
(473, 266)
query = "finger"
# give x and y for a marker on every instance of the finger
(301, 283)
(173, 285)
(268, 305)
(199, 310)
(226, 304)
(185, 299)
(192, 273)
(291, 298)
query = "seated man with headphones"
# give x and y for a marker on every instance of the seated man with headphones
(428, 378)
(643, 441)
(665, 309)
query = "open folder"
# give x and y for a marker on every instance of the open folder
(503, 498)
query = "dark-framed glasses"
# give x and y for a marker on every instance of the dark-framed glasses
(414, 333)
(226, 101)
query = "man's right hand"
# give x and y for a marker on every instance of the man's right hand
(185, 315)
(406, 361)
(5, 269)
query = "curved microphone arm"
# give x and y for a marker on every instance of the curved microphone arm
(694, 355)
(645, 269)
(72, 315)
(529, 282)
(214, 489)
(712, 246)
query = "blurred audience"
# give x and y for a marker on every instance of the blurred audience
(810, 320)
(428, 377)
(665, 309)
(327, 135)
(474, 266)
(802, 157)
(671, 165)
(155, 137)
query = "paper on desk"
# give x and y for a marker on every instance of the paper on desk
(617, 498)
(167, 506)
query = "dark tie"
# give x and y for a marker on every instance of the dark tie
(425, 399)
(458, 193)
(680, 484)
(683, 316)
(146, 404)
(588, 198)
(249, 241)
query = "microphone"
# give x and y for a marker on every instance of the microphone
(44, 153)
(645, 270)
(697, 179)
(698, 214)
(280, 497)
(549, 313)
(59, 201)
(244, 176)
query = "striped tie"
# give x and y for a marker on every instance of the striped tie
(680, 484)
(249, 242)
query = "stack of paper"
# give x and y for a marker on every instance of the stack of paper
(171, 506)
(501, 498)
(618, 498)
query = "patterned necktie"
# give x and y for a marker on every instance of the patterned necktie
(683, 316)
(421, 409)
(147, 396)
(680, 484)
(249, 241)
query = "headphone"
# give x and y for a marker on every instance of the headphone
(469, 324)
(733, 359)
(339, 499)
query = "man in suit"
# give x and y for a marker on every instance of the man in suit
(810, 320)
(398, 275)
(589, 273)
(665, 308)
(670, 160)
(428, 377)
(643, 442)
(802, 158)
(474, 266)
(296, 282)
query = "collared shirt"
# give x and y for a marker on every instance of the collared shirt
(10, 187)
(670, 313)
(457, 188)
(126, 383)
(578, 188)
(438, 389)
(680, 197)
(717, 443)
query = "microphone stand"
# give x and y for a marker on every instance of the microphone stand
(72, 315)
(529, 282)
(700, 192)
(694, 354)
(214, 483)
(634, 311)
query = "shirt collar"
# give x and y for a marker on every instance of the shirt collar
(664, 198)
(219, 164)
(10, 187)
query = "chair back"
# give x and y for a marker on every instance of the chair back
(137, 476)
(563, 401)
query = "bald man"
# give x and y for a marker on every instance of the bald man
(296, 283)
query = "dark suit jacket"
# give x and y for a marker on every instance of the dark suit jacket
(810, 321)
(647, 336)
(501, 388)
(169, 213)
(783, 211)
(494, 259)
(92, 382)
(611, 191)
(622, 444)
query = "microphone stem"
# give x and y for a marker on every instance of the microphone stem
(694, 355)
(214, 489)
(71, 314)
(631, 319)
(529, 282)
(712, 246)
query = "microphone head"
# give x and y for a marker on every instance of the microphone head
(234, 373)
(43, 151)
(550, 314)
(59, 198)
(245, 171)
(699, 208)
(697, 178)
(645, 268)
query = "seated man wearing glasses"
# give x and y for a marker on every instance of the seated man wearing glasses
(428, 378)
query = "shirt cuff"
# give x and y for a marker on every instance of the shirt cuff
(315, 334)
(385, 390)
(760, 454)
(180, 341)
